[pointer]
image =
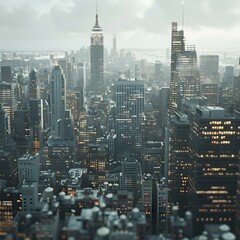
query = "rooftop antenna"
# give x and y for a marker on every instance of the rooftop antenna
(183, 13)
(96, 6)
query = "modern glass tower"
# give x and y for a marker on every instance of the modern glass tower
(177, 46)
(129, 117)
(97, 59)
(57, 98)
(214, 149)
(187, 76)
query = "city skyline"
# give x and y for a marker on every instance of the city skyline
(58, 25)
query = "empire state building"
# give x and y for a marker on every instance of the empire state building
(97, 59)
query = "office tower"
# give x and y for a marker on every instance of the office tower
(187, 76)
(22, 131)
(164, 104)
(162, 205)
(61, 154)
(209, 65)
(97, 59)
(238, 209)
(82, 84)
(158, 72)
(75, 103)
(57, 98)
(8, 167)
(131, 176)
(147, 190)
(129, 117)
(10, 204)
(36, 123)
(154, 159)
(214, 148)
(6, 74)
(5, 128)
(28, 168)
(177, 46)
(9, 99)
(210, 91)
(179, 160)
(114, 49)
(96, 164)
(33, 85)
(226, 97)
(236, 93)
(228, 76)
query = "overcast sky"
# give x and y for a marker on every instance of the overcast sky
(66, 24)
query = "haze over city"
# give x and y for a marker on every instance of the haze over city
(119, 120)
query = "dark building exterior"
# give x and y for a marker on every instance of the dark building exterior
(214, 148)
(177, 46)
(97, 59)
(179, 161)
(6, 74)
(187, 76)
(33, 84)
(129, 117)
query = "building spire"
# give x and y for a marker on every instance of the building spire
(96, 22)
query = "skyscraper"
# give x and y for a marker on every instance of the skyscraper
(4, 128)
(187, 76)
(179, 160)
(97, 59)
(129, 117)
(6, 74)
(177, 46)
(57, 98)
(8, 99)
(209, 65)
(32, 84)
(214, 149)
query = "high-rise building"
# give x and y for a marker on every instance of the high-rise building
(187, 76)
(33, 85)
(131, 176)
(214, 149)
(236, 93)
(129, 117)
(8, 167)
(158, 72)
(209, 65)
(238, 209)
(9, 99)
(22, 133)
(28, 168)
(6, 74)
(114, 53)
(97, 59)
(36, 123)
(147, 191)
(228, 76)
(177, 46)
(5, 128)
(210, 91)
(162, 205)
(164, 104)
(57, 98)
(179, 160)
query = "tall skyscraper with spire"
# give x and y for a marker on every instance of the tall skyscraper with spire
(177, 46)
(97, 59)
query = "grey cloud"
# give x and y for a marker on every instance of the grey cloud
(48, 24)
